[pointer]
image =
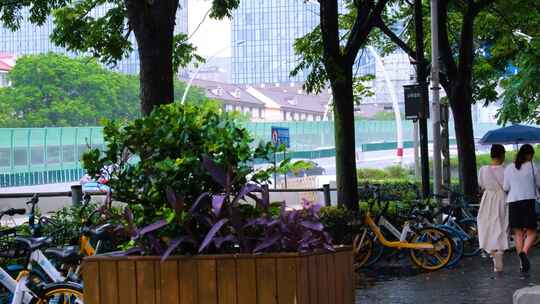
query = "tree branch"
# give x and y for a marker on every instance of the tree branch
(396, 39)
(445, 49)
(365, 21)
(480, 5)
(466, 46)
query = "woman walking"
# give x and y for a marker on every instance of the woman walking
(493, 215)
(521, 181)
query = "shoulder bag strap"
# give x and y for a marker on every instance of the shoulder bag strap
(495, 177)
(534, 180)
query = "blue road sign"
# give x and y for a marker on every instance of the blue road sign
(280, 136)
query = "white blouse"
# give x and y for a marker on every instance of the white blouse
(520, 183)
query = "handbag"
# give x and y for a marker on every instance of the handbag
(537, 199)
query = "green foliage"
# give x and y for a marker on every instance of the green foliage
(337, 222)
(65, 225)
(147, 155)
(53, 90)
(392, 172)
(106, 35)
(521, 98)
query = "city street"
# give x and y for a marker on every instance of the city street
(472, 282)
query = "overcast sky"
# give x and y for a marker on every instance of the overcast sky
(213, 36)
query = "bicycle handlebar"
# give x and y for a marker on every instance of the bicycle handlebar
(12, 212)
(34, 200)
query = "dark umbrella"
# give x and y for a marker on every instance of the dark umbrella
(514, 134)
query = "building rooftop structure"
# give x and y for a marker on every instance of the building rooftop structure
(227, 92)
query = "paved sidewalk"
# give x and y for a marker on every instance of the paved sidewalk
(471, 282)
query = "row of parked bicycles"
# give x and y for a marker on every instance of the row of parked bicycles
(41, 269)
(434, 237)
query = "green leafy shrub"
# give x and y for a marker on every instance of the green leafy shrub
(145, 156)
(371, 174)
(393, 172)
(65, 225)
(337, 222)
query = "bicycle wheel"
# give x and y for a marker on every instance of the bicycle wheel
(362, 248)
(471, 246)
(431, 259)
(377, 252)
(61, 293)
(458, 245)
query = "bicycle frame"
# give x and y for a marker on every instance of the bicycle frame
(393, 244)
(38, 257)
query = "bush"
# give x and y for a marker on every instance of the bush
(145, 156)
(392, 172)
(337, 222)
(185, 172)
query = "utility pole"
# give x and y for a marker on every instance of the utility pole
(417, 168)
(421, 78)
(435, 107)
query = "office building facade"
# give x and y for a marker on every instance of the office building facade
(33, 39)
(263, 34)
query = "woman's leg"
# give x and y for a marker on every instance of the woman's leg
(529, 240)
(497, 256)
(518, 239)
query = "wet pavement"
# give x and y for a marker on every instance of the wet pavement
(471, 282)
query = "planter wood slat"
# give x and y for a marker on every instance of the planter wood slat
(340, 280)
(266, 281)
(91, 287)
(189, 281)
(108, 282)
(302, 280)
(286, 280)
(331, 278)
(313, 275)
(127, 286)
(169, 282)
(226, 277)
(322, 277)
(207, 281)
(316, 278)
(146, 284)
(247, 281)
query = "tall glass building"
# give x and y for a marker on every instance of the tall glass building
(32, 39)
(263, 35)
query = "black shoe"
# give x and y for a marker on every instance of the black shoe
(524, 261)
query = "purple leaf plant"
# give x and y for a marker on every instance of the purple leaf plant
(214, 222)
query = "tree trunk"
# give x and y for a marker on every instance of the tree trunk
(347, 183)
(153, 23)
(463, 125)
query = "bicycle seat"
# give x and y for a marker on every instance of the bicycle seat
(33, 242)
(100, 233)
(66, 255)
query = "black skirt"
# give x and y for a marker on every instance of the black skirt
(522, 214)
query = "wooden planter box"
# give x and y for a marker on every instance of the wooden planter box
(287, 278)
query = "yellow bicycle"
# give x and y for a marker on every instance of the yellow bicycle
(429, 248)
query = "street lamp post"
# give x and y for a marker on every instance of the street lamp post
(190, 82)
(436, 109)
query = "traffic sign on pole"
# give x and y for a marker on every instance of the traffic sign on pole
(280, 136)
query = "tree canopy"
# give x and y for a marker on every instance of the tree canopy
(103, 28)
(53, 90)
